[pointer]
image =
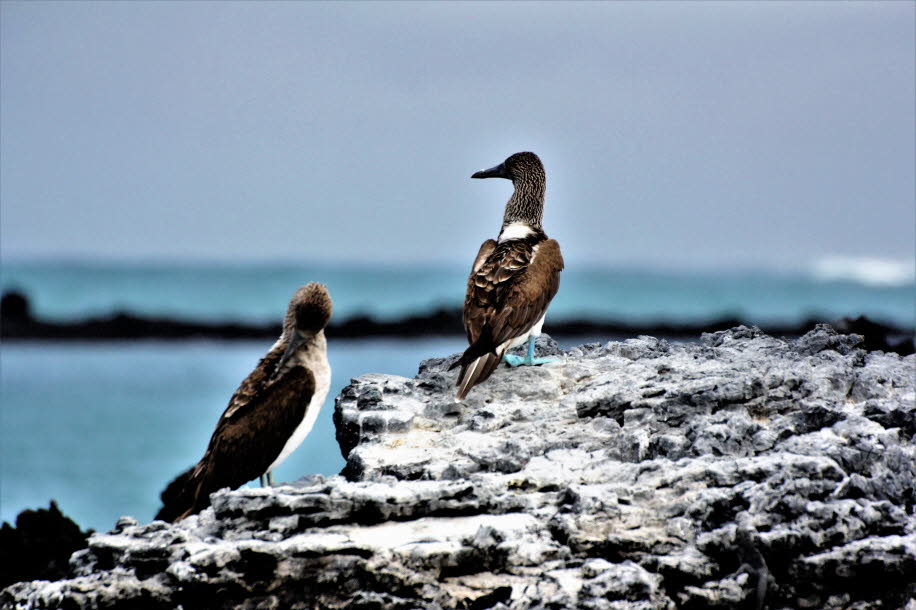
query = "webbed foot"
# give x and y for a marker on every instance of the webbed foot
(528, 359)
(513, 360)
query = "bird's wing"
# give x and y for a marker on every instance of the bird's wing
(251, 386)
(511, 291)
(471, 324)
(265, 421)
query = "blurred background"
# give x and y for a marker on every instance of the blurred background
(199, 161)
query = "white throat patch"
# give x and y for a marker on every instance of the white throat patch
(515, 230)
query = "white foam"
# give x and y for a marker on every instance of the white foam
(870, 270)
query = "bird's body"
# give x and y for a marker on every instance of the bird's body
(315, 361)
(269, 415)
(513, 278)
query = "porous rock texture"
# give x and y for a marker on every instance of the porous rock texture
(742, 471)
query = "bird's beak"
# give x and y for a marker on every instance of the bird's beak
(494, 172)
(294, 342)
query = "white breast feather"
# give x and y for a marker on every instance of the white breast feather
(515, 230)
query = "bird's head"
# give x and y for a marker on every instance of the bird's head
(308, 313)
(523, 166)
(309, 310)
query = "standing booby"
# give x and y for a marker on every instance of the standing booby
(270, 413)
(513, 278)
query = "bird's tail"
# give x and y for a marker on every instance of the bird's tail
(178, 497)
(483, 345)
(476, 372)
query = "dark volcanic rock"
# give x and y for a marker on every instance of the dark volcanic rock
(15, 307)
(18, 323)
(40, 545)
(740, 472)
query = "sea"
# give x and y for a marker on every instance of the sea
(102, 427)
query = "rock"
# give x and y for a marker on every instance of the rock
(15, 307)
(743, 471)
(39, 546)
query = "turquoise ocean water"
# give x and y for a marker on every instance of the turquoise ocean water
(259, 292)
(102, 427)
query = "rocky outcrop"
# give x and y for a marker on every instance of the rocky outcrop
(39, 546)
(743, 471)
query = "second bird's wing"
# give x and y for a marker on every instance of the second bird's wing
(252, 433)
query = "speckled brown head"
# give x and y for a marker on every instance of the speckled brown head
(308, 313)
(523, 167)
(309, 310)
(526, 172)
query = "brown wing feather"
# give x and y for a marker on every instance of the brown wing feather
(251, 386)
(507, 294)
(512, 289)
(473, 324)
(229, 460)
(180, 494)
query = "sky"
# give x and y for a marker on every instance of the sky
(674, 134)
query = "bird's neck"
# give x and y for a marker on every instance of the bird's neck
(316, 341)
(524, 210)
(316, 344)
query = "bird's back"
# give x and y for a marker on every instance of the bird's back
(509, 290)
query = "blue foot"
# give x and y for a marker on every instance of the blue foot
(535, 361)
(529, 359)
(513, 360)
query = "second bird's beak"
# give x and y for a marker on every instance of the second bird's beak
(494, 172)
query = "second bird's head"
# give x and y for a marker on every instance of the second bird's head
(309, 310)
(308, 313)
(520, 166)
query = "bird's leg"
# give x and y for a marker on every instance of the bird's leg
(529, 358)
(270, 479)
(263, 480)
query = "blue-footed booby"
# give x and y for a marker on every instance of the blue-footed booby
(270, 413)
(513, 278)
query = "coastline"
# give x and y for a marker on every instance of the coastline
(18, 324)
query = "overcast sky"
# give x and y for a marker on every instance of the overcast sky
(673, 134)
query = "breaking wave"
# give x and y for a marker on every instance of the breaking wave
(872, 271)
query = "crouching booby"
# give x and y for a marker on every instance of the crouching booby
(513, 278)
(270, 413)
